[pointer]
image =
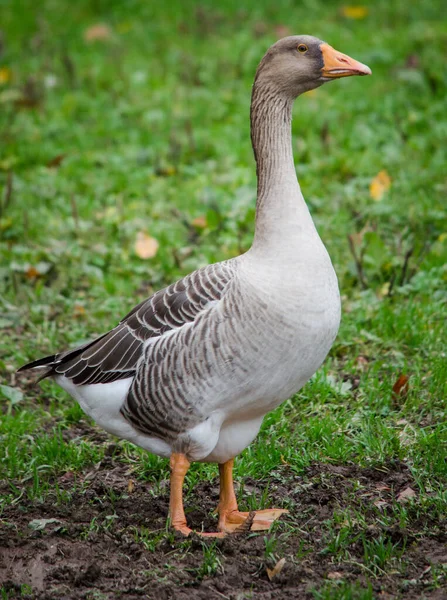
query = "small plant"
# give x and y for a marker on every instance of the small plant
(211, 564)
(343, 591)
(270, 543)
(340, 542)
(378, 554)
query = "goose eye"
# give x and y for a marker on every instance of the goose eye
(302, 48)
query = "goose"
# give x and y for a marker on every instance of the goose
(190, 373)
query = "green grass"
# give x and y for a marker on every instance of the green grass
(151, 129)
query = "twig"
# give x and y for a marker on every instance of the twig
(407, 257)
(358, 263)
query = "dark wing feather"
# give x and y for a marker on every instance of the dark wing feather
(115, 354)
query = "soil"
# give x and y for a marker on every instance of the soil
(88, 549)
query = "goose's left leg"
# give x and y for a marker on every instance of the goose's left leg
(231, 518)
(179, 467)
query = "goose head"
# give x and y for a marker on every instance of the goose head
(300, 63)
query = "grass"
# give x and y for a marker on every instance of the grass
(146, 130)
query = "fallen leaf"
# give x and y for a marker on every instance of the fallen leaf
(130, 486)
(381, 487)
(42, 268)
(32, 273)
(380, 503)
(5, 75)
(199, 222)
(98, 32)
(379, 185)
(145, 245)
(425, 572)
(335, 575)
(283, 461)
(271, 573)
(78, 310)
(400, 388)
(56, 161)
(38, 524)
(406, 494)
(354, 12)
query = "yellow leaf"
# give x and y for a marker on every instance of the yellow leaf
(32, 273)
(78, 310)
(145, 245)
(100, 32)
(354, 12)
(271, 573)
(5, 75)
(130, 486)
(379, 185)
(199, 222)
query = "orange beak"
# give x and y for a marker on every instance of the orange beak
(338, 65)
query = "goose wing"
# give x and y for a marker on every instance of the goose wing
(115, 354)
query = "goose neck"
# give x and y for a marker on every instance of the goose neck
(280, 208)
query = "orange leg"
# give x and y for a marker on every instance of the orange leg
(179, 467)
(231, 519)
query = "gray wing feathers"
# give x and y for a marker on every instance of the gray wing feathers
(116, 354)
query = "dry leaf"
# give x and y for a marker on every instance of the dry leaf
(283, 460)
(5, 75)
(199, 222)
(78, 310)
(271, 573)
(67, 476)
(354, 12)
(380, 503)
(130, 486)
(32, 273)
(381, 487)
(100, 32)
(56, 161)
(379, 185)
(406, 494)
(335, 575)
(145, 246)
(400, 388)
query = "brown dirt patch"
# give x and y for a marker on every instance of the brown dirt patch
(90, 548)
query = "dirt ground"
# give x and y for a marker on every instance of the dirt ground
(70, 558)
